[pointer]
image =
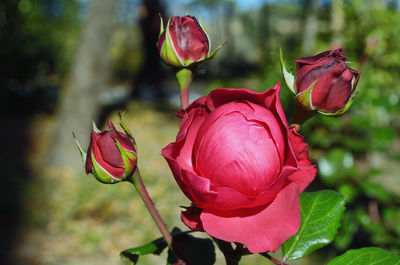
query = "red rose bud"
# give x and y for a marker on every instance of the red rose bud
(184, 42)
(325, 83)
(111, 156)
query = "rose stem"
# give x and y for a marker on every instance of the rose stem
(274, 260)
(232, 257)
(184, 76)
(137, 181)
(301, 115)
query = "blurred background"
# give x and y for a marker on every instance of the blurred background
(66, 62)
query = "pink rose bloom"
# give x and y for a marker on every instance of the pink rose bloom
(242, 167)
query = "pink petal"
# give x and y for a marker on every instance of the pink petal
(304, 177)
(199, 188)
(191, 218)
(195, 187)
(307, 172)
(299, 147)
(237, 147)
(260, 229)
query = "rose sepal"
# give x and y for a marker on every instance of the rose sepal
(305, 98)
(287, 76)
(81, 150)
(126, 130)
(101, 174)
(129, 158)
(168, 51)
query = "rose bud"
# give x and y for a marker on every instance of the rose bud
(184, 42)
(325, 83)
(242, 167)
(111, 156)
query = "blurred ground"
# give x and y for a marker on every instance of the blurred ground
(73, 219)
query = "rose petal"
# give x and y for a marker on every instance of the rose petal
(304, 177)
(299, 147)
(125, 142)
(199, 188)
(190, 41)
(116, 172)
(191, 218)
(168, 153)
(109, 150)
(260, 229)
(234, 148)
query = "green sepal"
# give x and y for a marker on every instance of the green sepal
(101, 174)
(161, 26)
(305, 99)
(339, 112)
(126, 130)
(81, 150)
(129, 158)
(168, 52)
(212, 54)
(95, 129)
(205, 32)
(288, 76)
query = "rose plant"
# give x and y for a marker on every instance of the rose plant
(239, 162)
(243, 168)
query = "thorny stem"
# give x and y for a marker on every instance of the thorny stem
(137, 181)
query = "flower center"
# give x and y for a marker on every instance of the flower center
(238, 150)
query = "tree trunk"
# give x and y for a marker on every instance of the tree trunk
(310, 28)
(146, 84)
(79, 98)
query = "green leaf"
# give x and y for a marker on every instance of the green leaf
(366, 256)
(321, 213)
(194, 251)
(131, 255)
